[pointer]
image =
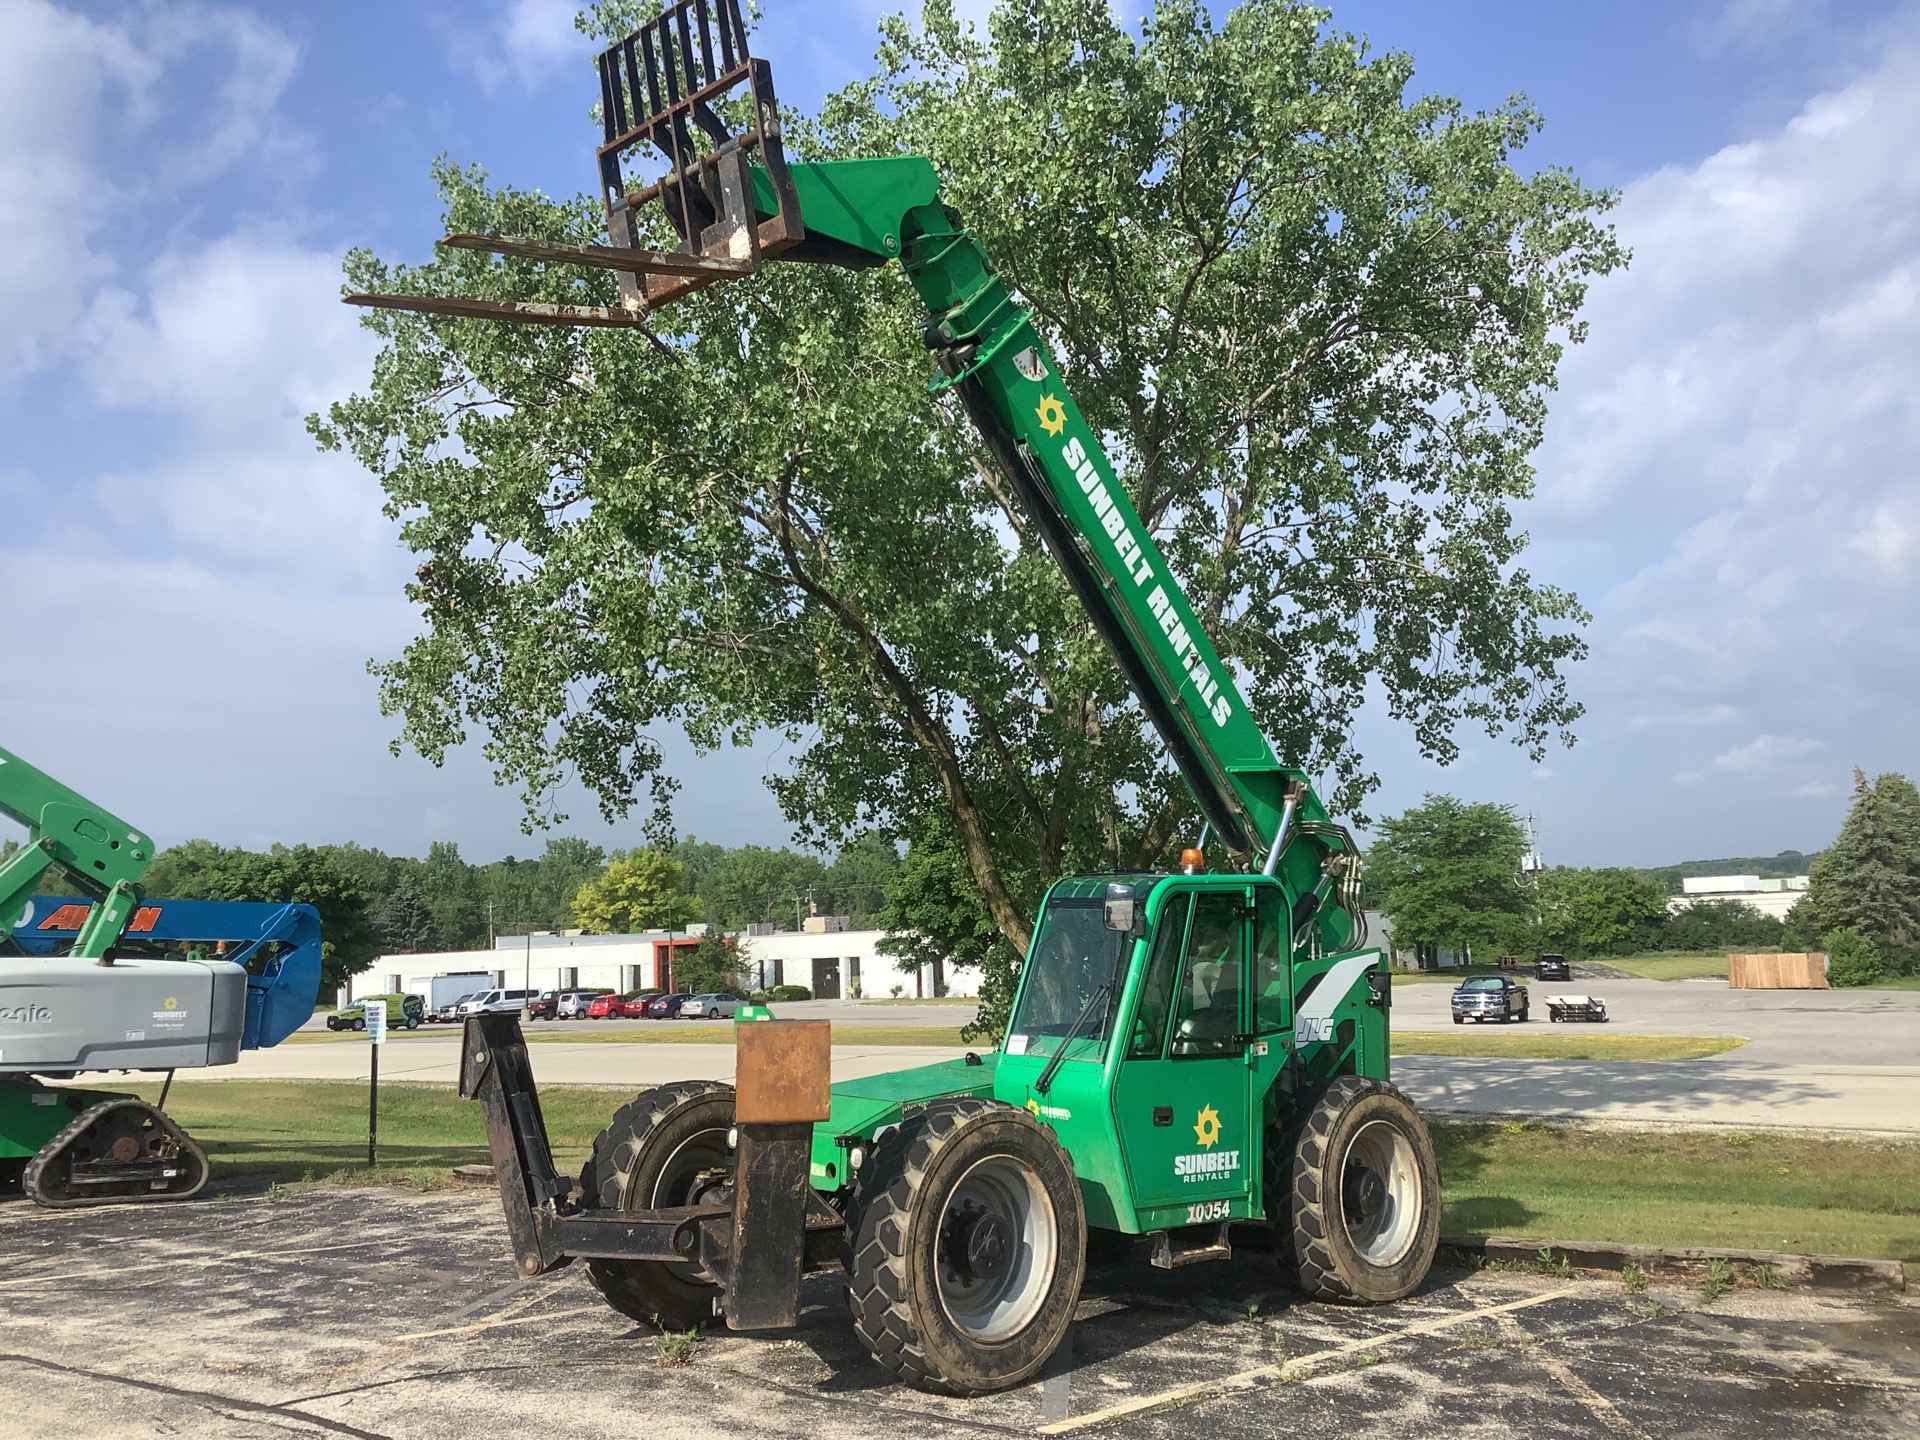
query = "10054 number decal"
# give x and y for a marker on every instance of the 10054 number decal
(1208, 1210)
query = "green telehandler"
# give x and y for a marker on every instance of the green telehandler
(1188, 1054)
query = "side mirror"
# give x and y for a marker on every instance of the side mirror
(1121, 908)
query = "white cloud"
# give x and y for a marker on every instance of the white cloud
(99, 127)
(1764, 752)
(1815, 790)
(528, 42)
(1731, 465)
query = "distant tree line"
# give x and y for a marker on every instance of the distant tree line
(372, 903)
(1449, 874)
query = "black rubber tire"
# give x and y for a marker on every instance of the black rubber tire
(1522, 1016)
(413, 1022)
(640, 1152)
(1331, 1266)
(1276, 1184)
(894, 1285)
(1459, 1019)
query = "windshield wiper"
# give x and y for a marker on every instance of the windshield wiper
(1045, 1082)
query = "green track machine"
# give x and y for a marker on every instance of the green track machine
(1189, 1054)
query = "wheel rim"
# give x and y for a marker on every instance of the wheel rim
(1380, 1193)
(678, 1184)
(998, 1249)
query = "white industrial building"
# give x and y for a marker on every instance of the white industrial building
(1769, 897)
(830, 960)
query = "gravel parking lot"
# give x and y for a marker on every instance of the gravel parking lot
(390, 1315)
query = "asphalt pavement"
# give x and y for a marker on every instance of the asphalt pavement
(382, 1315)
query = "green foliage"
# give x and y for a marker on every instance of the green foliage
(1720, 925)
(1868, 880)
(1318, 317)
(1448, 873)
(404, 922)
(934, 917)
(789, 992)
(750, 884)
(1851, 958)
(201, 870)
(639, 890)
(1599, 912)
(715, 965)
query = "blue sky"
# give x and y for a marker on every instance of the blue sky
(190, 593)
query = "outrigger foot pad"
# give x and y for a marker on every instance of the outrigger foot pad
(119, 1150)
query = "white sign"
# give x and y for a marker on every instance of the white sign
(376, 1013)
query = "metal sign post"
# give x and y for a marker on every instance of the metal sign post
(376, 1013)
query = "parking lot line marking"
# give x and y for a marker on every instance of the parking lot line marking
(509, 1316)
(1597, 1405)
(1260, 1374)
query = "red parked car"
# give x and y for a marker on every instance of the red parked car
(620, 1007)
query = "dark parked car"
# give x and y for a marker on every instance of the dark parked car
(1489, 997)
(1552, 967)
(666, 1007)
(544, 1005)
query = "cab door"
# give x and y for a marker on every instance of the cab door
(1181, 1099)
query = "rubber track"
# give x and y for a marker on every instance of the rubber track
(616, 1150)
(1319, 1279)
(877, 1281)
(36, 1168)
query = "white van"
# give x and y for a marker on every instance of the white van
(490, 1001)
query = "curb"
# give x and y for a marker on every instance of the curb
(473, 1175)
(1819, 1272)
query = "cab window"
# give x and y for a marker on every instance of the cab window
(1272, 974)
(1207, 1017)
(1156, 993)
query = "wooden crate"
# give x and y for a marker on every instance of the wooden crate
(1803, 971)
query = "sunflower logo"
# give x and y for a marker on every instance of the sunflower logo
(1207, 1129)
(173, 1002)
(1053, 415)
(1033, 1108)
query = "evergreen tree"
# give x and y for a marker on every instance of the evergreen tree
(1868, 880)
(404, 923)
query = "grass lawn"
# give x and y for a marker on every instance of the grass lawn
(1772, 1192)
(1578, 1042)
(665, 1033)
(1765, 1192)
(1671, 964)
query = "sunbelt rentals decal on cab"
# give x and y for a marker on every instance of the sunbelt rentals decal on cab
(1206, 1163)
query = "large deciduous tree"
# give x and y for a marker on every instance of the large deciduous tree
(638, 891)
(1316, 319)
(286, 874)
(1448, 873)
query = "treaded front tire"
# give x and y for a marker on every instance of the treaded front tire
(962, 1184)
(1366, 1195)
(651, 1156)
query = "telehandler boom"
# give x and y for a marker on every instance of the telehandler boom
(1186, 1053)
